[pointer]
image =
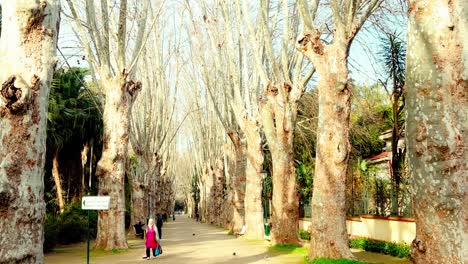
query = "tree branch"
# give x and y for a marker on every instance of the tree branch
(121, 36)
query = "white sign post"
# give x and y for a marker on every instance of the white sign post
(94, 203)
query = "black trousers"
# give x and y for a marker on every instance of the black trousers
(148, 252)
(160, 231)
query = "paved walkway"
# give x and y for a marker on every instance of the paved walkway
(209, 245)
(186, 241)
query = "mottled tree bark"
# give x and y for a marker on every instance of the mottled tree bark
(279, 112)
(139, 203)
(216, 194)
(437, 125)
(253, 190)
(120, 95)
(329, 236)
(237, 183)
(27, 53)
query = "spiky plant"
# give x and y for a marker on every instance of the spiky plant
(393, 58)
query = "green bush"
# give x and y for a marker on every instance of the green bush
(357, 243)
(69, 227)
(304, 234)
(393, 249)
(335, 261)
(50, 232)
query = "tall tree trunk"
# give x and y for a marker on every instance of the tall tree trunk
(253, 190)
(139, 202)
(202, 202)
(84, 159)
(27, 51)
(58, 182)
(279, 111)
(329, 236)
(395, 165)
(237, 182)
(216, 194)
(154, 192)
(285, 202)
(120, 95)
(328, 229)
(143, 182)
(208, 184)
(90, 167)
(437, 96)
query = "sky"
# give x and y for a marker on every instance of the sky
(363, 63)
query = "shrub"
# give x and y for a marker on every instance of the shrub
(335, 261)
(393, 249)
(69, 227)
(357, 243)
(50, 232)
(72, 226)
(304, 234)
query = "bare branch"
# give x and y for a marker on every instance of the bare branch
(121, 36)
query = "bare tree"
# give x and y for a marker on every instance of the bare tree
(234, 93)
(283, 75)
(329, 234)
(437, 87)
(213, 78)
(153, 119)
(27, 52)
(107, 42)
(205, 145)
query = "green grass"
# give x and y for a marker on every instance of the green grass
(400, 250)
(287, 249)
(335, 261)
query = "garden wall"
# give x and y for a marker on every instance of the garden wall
(390, 229)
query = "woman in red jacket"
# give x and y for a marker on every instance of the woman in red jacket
(152, 238)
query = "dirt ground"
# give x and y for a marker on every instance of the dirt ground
(187, 241)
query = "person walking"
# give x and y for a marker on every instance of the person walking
(159, 224)
(152, 239)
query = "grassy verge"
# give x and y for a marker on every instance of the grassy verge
(287, 249)
(335, 261)
(400, 250)
(392, 249)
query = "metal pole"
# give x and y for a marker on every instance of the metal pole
(87, 235)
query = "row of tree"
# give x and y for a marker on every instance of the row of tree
(249, 82)
(27, 50)
(229, 63)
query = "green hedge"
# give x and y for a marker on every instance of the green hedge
(393, 249)
(304, 234)
(335, 261)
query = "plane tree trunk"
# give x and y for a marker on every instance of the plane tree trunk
(111, 168)
(27, 53)
(253, 189)
(237, 183)
(279, 112)
(437, 96)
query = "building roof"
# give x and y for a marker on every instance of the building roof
(380, 156)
